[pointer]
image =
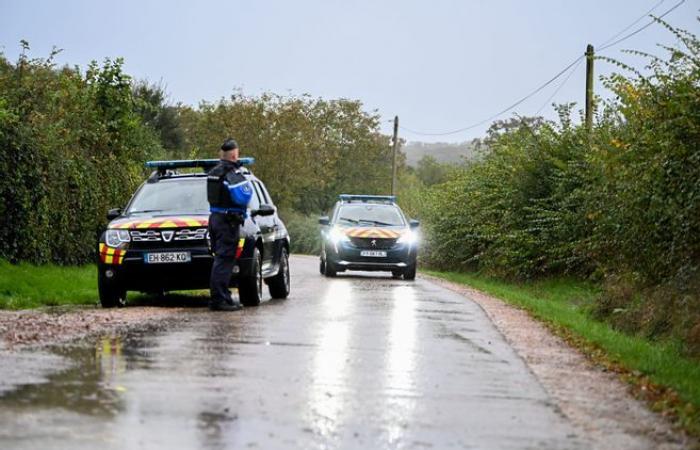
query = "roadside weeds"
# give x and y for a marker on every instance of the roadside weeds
(587, 385)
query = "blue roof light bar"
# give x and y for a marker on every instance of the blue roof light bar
(162, 166)
(367, 198)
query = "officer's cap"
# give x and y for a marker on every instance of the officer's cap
(229, 144)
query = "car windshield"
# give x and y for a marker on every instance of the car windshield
(187, 196)
(375, 215)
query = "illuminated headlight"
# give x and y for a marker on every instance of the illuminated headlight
(116, 237)
(409, 237)
(337, 236)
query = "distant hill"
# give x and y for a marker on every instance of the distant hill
(443, 152)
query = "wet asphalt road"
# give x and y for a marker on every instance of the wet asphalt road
(360, 361)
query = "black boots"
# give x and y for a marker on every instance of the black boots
(224, 306)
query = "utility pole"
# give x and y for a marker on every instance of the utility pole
(395, 151)
(589, 86)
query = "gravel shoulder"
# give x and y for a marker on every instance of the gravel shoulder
(20, 329)
(594, 400)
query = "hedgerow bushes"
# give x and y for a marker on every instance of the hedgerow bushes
(620, 204)
(73, 144)
(71, 147)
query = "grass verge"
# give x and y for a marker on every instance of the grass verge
(25, 286)
(659, 373)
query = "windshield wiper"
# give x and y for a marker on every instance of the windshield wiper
(147, 211)
(347, 219)
(376, 222)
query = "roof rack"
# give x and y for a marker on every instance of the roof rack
(385, 199)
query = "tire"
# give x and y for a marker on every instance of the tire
(280, 284)
(322, 266)
(409, 272)
(250, 288)
(330, 270)
(111, 296)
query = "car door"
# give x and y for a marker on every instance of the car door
(267, 228)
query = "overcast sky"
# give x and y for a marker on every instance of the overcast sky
(440, 65)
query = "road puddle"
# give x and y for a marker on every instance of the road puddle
(87, 383)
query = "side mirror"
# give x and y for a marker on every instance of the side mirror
(114, 213)
(324, 220)
(264, 210)
(413, 224)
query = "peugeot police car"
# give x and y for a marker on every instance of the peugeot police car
(368, 232)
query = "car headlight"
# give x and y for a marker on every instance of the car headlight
(115, 237)
(409, 237)
(337, 236)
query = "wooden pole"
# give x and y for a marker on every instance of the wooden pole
(395, 151)
(589, 86)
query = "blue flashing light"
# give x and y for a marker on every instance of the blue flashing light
(367, 198)
(189, 163)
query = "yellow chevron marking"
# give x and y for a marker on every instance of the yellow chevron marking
(167, 224)
(372, 233)
(192, 222)
(108, 259)
(107, 250)
(146, 223)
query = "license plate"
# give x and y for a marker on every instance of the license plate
(373, 253)
(167, 257)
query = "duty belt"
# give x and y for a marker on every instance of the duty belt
(215, 209)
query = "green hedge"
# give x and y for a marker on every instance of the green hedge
(620, 204)
(71, 146)
(304, 232)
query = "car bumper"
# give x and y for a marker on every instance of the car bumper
(347, 256)
(136, 275)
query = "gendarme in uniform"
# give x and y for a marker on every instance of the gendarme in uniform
(228, 193)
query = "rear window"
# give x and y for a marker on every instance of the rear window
(370, 214)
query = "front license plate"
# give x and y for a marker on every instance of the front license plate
(167, 257)
(373, 253)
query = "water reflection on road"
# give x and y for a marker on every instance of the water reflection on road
(400, 357)
(328, 390)
(351, 362)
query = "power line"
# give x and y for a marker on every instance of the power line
(547, 83)
(640, 29)
(561, 85)
(642, 17)
(605, 45)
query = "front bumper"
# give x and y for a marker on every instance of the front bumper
(345, 255)
(134, 274)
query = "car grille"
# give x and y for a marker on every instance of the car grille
(164, 238)
(185, 234)
(373, 243)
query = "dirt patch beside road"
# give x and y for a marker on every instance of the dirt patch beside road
(61, 324)
(594, 400)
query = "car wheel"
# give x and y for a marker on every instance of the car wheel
(250, 287)
(280, 284)
(330, 270)
(409, 272)
(322, 266)
(110, 295)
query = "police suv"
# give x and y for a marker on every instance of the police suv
(160, 241)
(368, 232)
